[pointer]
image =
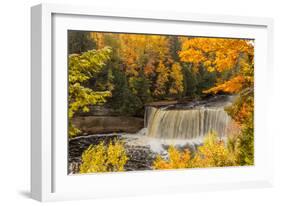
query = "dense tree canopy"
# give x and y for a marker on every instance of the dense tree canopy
(81, 68)
(127, 71)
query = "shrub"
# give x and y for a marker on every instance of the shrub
(102, 158)
(242, 111)
(245, 144)
(213, 153)
(176, 160)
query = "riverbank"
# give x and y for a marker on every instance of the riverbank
(140, 157)
(182, 125)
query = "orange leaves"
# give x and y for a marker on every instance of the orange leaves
(138, 51)
(192, 55)
(243, 112)
(221, 54)
(176, 160)
(243, 80)
(214, 53)
(242, 109)
(149, 67)
(160, 58)
(225, 59)
(232, 86)
(162, 79)
(99, 39)
(128, 52)
(164, 74)
(213, 153)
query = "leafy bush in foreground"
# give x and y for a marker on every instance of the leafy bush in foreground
(176, 160)
(104, 158)
(213, 153)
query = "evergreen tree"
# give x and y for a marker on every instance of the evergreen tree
(175, 47)
(79, 41)
(189, 80)
(123, 101)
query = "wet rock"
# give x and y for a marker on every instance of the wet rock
(140, 157)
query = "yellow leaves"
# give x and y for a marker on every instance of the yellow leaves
(149, 67)
(176, 160)
(245, 111)
(81, 97)
(177, 79)
(134, 47)
(234, 85)
(213, 153)
(192, 55)
(93, 159)
(116, 156)
(85, 109)
(88, 64)
(101, 158)
(162, 79)
(242, 109)
(72, 131)
(164, 74)
(160, 163)
(243, 80)
(214, 53)
(242, 112)
(232, 57)
(179, 159)
(81, 68)
(209, 66)
(150, 55)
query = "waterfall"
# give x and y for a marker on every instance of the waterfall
(185, 124)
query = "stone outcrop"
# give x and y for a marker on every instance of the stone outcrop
(108, 124)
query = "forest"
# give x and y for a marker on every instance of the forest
(126, 90)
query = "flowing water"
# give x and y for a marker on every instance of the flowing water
(180, 124)
(184, 124)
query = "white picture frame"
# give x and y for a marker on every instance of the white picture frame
(49, 179)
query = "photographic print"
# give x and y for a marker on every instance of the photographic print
(139, 102)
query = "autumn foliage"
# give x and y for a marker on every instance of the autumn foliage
(213, 153)
(176, 160)
(216, 54)
(125, 72)
(104, 158)
(233, 59)
(82, 67)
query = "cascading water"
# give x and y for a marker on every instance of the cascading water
(183, 125)
(186, 124)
